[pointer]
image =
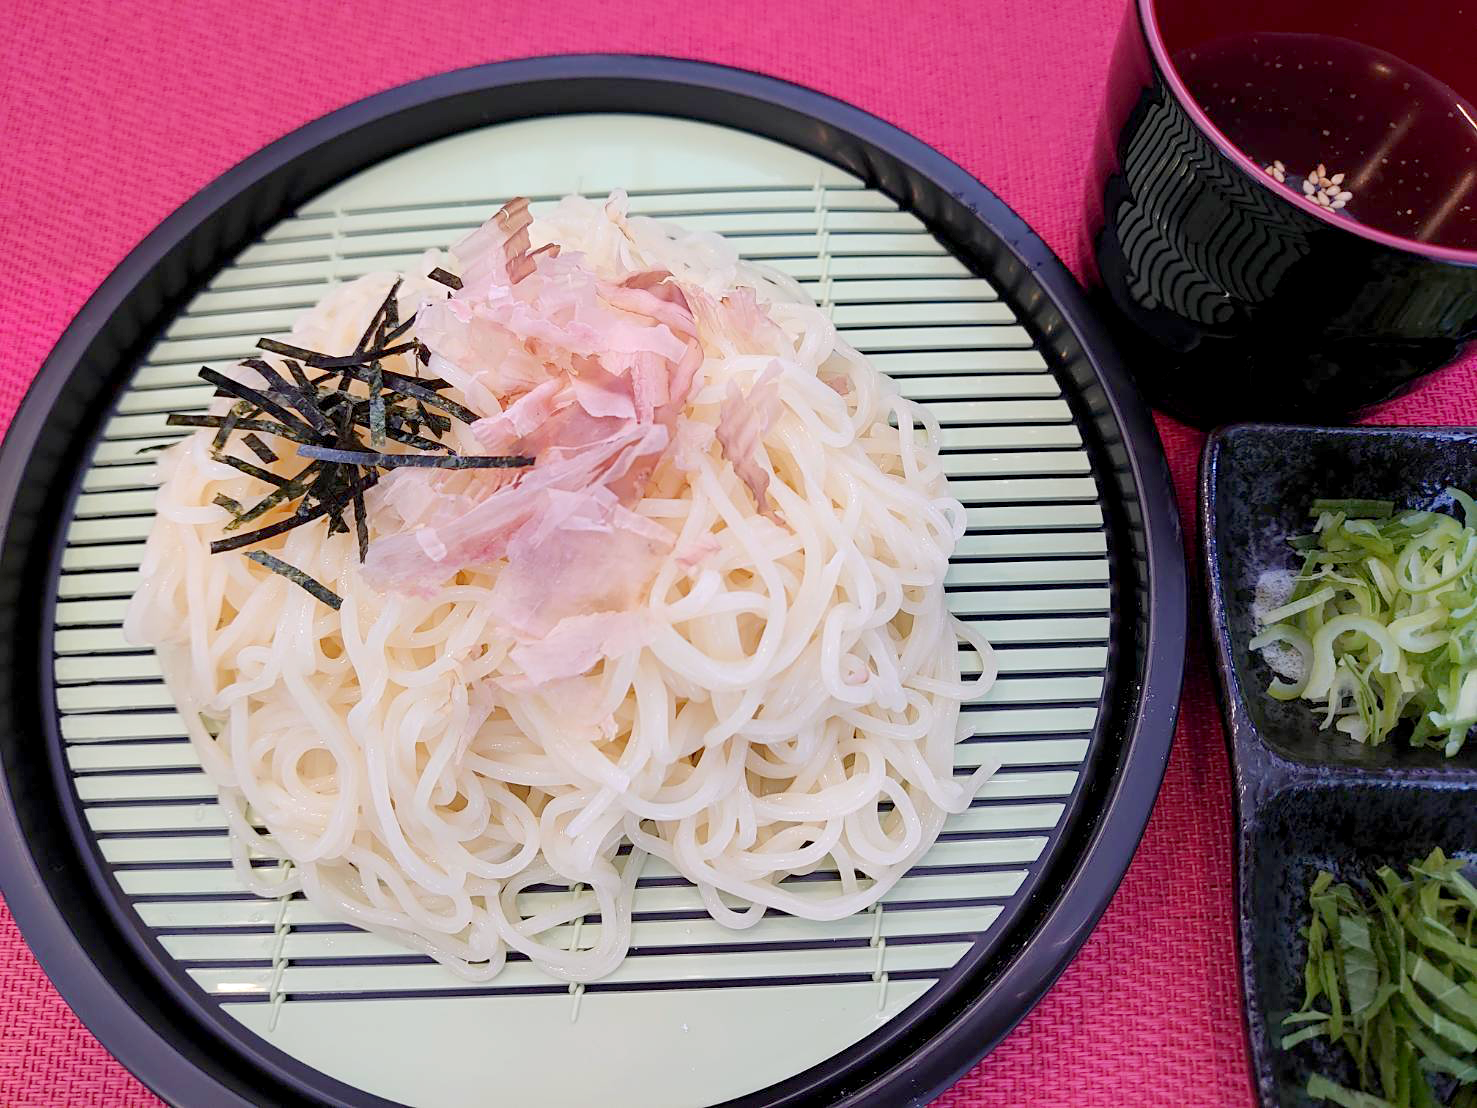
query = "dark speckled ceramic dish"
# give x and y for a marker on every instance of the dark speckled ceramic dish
(1307, 800)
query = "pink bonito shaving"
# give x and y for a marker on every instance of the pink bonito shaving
(742, 423)
(591, 376)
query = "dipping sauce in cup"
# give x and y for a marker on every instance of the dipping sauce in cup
(1284, 217)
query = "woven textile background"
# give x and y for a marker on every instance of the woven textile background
(113, 112)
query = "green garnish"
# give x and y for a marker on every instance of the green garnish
(1392, 976)
(1384, 619)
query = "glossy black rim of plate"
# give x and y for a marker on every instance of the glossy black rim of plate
(91, 943)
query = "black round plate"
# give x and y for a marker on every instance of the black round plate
(90, 943)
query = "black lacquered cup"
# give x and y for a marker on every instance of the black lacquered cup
(1235, 297)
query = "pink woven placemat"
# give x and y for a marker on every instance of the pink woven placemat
(113, 113)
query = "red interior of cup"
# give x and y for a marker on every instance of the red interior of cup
(1426, 34)
(1433, 34)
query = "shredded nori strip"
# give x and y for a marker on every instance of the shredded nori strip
(435, 384)
(301, 401)
(261, 400)
(321, 361)
(395, 461)
(437, 422)
(410, 438)
(334, 397)
(321, 488)
(295, 368)
(156, 446)
(319, 413)
(376, 321)
(259, 448)
(236, 542)
(287, 350)
(418, 389)
(399, 329)
(298, 578)
(361, 524)
(251, 470)
(450, 280)
(181, 419)
(324, 490)
(376, 405)
(227, 426)
(390, 310)
(295, 487)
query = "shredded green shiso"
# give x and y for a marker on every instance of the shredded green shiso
(1392, 976)
(1384, 618)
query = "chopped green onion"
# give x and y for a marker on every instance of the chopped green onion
(1291, 636)
(1287, 611)
(1469, 506)
(1386, 604)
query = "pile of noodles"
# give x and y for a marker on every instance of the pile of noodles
(723, 641)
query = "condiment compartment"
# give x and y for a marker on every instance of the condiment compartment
(1349, 828)
(1257, 482)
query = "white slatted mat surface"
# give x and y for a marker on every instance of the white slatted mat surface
(698, 1013)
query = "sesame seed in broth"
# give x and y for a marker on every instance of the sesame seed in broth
(1346, 127)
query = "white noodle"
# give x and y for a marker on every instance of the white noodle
(794, 713)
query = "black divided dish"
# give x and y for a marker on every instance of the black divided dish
(1307, 800)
